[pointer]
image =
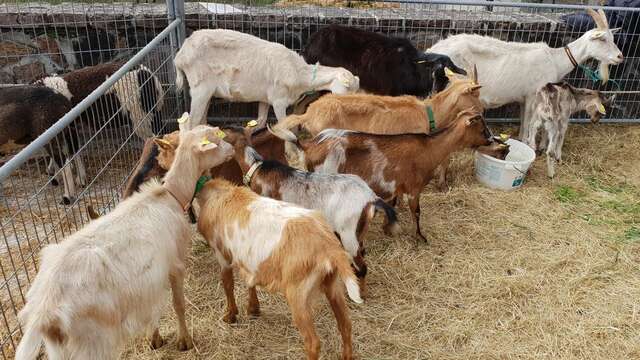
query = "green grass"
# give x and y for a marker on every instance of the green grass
(567, 194)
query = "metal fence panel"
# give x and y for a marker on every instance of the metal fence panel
(109, 144)
(292, 22)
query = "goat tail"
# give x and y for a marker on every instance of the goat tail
(290, 122)
(93, 214)
(344, 271)
(39, 324)
(29, 346)
(392, 227)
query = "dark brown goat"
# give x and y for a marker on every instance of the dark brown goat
(394, 165)
(385, 65)
(153, 164)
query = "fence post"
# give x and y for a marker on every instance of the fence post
(175, 10)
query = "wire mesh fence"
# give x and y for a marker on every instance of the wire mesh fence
(43, 201)
(292, 22)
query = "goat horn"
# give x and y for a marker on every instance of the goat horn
(604, 18)
(475, 73)
(598, 19)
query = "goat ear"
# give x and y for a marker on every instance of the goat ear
(206, 145)
(597, 35)
(472, 89)
(183, 122)
(164, 144)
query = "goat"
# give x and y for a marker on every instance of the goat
(157, 156)
(390, 115)
(138, 92)
(241, 67)
(385, 65)
(393, 165)
(513, 72)
(282, 248)
(553, 106)
(26, 112)
(107, 282)
(327, 193)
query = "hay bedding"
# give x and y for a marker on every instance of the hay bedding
(546, 272)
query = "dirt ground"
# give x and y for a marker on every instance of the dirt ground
(546, 272)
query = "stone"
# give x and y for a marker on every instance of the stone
(25, 74)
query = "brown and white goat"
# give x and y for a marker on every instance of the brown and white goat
(393, 165)
(108, 282)
(282, 248)
(553, 105)
(390, 115)
(154, 161)
(345, 200)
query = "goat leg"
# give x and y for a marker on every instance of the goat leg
(253, 305)
(156, 339)
(227, 284)
(185, 342)
(414, 206)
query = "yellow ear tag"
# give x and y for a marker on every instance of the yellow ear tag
(183, 118)
(504, 137)
(205, 141)
(220, 134)
(164, 142)
(252, 123)
(448, 72)
(602, 110)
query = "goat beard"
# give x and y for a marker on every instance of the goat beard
(604, 72)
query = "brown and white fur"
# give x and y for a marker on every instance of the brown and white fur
(553, 106)
(393, 165)
(108, 282)
(282, 248)
(345, 200)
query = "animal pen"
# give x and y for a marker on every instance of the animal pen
(40, 38)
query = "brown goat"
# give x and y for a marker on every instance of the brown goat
(391, 115)
(393, 165)
(152, 163)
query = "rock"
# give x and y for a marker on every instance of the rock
(25, 74)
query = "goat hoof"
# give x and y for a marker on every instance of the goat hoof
(230, 318)
(157, 342)
(185, 343)
(253, 312)
(54, 182)
(66, 200)
(423, 238)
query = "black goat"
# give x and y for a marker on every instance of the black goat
(27, 111)
(385, 65)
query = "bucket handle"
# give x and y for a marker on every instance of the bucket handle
(518, 170)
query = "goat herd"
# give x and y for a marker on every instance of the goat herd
(288, 230)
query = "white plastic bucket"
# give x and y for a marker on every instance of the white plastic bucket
(507, 174)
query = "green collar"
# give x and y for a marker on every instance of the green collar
(200, 184)
(432, 119)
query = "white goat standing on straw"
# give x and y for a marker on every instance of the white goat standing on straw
(513, 72)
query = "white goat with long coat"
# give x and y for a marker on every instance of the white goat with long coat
(513, 72)
(241, 67)
(108, 282)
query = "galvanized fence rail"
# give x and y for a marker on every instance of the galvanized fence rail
(39, 38)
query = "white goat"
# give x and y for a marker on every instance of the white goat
(552, 107)
(241, 67)
(513, 72)
(107, 282)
